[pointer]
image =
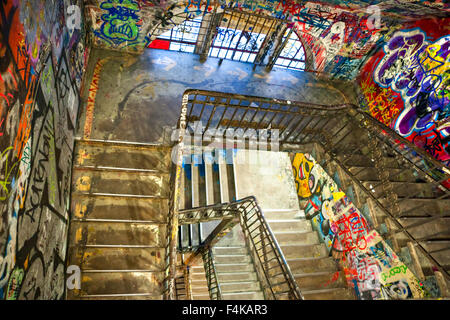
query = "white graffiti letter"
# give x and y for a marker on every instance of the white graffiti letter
(74, 19)
(74, 280)
(374, 21)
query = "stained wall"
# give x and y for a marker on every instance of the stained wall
(42, 57)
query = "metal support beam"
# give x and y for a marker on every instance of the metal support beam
(211, 32)
(278, 47)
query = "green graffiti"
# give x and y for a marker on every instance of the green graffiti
(121, 23)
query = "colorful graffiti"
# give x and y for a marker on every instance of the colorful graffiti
(369, 264)
(406, 86)
(39, 102)
(121, 23)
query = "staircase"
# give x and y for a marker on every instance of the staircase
(315, 272)
(118, 223)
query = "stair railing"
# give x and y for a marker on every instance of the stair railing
(295, 126)
(215, 292)
(271, 266)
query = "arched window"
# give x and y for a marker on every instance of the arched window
(293, 54)
(182, 37)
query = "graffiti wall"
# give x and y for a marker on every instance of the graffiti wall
(371, 267)
(405, 85)
(337, 33)
(42, 59)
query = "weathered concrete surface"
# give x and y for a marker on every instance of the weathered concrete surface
(131, 98)
(266, 175)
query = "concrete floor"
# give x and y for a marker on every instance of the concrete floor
(136, 96)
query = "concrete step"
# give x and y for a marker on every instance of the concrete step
(119, 297)
(438, 229)
(403, 189)
(320, 280)
(238, 258)
(224, 277)
(116, 208)
(116, 234)
(309, 265)
(229, 250)
(421, 207)
(200, 296)
(120, 182)
(240, 286)
(292, 237)
(146, 259)
(370, 173)
(122, 283)
(256, 295)
(280, 214)
(330, 294)
(304, 251)
(114, 155)
(359, 160)
(236, 267)
(290, 225)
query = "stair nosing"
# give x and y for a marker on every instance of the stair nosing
(117, 169)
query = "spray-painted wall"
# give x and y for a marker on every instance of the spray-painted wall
(338, 34)
(42, 59)
(371, 267)
(405, 84)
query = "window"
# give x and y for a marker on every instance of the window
(240, 36)
(293, 54)
(180, 38)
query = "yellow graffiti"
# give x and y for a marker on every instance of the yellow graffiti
(302, 168)
(83, 183)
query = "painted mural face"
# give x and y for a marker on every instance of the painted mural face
(302, 168)
(121, 23)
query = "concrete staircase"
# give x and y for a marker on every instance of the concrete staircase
(235, 175)
(423, 213)
(118, 223)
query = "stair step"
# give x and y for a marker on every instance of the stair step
(291, 237)
(241, 286)
(224, 277)
(99, 233)
(304, 251)
(151, 259)
(367, 174)
(229, 250)
(290, 225)
(119, 208)
(200, 296)
(238, 267)
(403, 189)
(329, 294)
(238, 258)
(120, 297)
(256, 295)
(307, 265)
(122, 283)
(320, 280)
(129, 183)
(280, 214)
(420, 207)
(93, 153)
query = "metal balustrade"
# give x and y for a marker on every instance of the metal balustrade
(271, 266)
(405, 184)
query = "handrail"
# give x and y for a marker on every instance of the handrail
(250, 215)
(301, 124)
(215, 292)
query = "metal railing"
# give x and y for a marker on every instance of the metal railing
(215, 293)
(271, 266)
(347, 135)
